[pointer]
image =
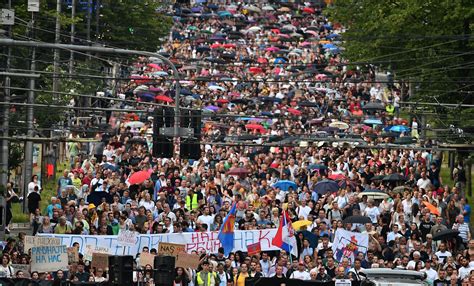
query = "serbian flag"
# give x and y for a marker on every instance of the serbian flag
(254, 249)
(226, 233)
(285, 236)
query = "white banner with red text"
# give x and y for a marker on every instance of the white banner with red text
(194, 241)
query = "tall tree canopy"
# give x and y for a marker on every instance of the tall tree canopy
(427, 42)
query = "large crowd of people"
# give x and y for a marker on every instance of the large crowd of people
(263, 72)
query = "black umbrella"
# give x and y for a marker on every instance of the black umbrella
(394, 178)
(308, 103)
(446, 234)
(373, 106)
(357, 219)
(97, 198)
(378, 178)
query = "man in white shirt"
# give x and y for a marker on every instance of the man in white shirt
(431, 274)
(206, 218)
(393, 235)
(465, 270)
(301, 273)
(303, 210)
(423, 182)
(442, 253)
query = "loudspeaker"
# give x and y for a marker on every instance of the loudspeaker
(164, 270)
(121, 270)
(190, 149)
(162, 145)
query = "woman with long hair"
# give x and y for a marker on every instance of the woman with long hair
(181, 277)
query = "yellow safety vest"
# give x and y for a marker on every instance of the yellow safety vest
(194, 204)
(199, 280)
(390, 109)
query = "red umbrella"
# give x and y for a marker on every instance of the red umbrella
(222, 101)
(216, 46)
(163, 98)
(257, 127)
(337, 177)
(276, 31)
(255, 70)
(294, 111)
(138, 177)
(308, 10)
(228, 46)
(154, 66)
(262, 60)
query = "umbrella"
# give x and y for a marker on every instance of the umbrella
(326, 186)
(317, 167)
(401, 189)
(238, 172)
(339, 124)
(284, 185)
(216, 87)
(97, 197)
(253, 9)
(284, 9)
(154, 66)
(201, 49)
(378, 178)
(254, 29)
(294, 111)
(224, 14)
(163, 98)
(160, 73)
(134, 124)
(446, 234)
(268, 8)
(394, 178)
(222, 101)
(258, 127)
(405, 140)
(399, 128)
(255, 70)
(357, 219)
(373, 106)
(373, 121)
(297, 225)
(374, 194)
(308, 10)
(337, 177)
(434, 210)
(110, 167)
(212, 108)
(138, 177)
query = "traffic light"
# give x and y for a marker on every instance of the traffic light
(162, 145)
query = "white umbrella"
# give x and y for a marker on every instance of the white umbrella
(289, 27)
(339, 124)
(254, 29)
(268, 8)
(216, 87)
(140, 88)
(253, 9)
(134, 124)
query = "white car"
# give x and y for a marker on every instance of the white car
(394, 277)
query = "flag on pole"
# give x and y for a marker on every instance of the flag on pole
(254, 249)
(285, 236)
(226, 233)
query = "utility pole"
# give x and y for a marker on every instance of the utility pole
(97, 20)
(88, 29)
(4, 165)
(56, 52)
(73, 32)
(28, 160)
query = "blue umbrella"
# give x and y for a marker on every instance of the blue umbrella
(147, 96)
(317, 167)
(279, 61)
(196, 9)
(224, 14)
(284, 185)
(160, 73)
(243, 118)
(329, 46)
(332, 36)
(326, 186)
(399, 128)
(185, 91)
(373, 121)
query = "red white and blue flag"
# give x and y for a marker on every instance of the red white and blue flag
(285, 236)
(226, 233)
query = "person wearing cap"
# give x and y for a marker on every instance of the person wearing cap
(301, 272)
(205, 277)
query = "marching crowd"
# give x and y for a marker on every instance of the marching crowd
(267, 71)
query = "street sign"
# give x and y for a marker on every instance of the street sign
(33, 5)
(8, 17)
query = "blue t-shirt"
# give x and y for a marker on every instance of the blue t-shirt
(467, 216)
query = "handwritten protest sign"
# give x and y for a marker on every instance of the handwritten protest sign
(25, 268)
(146, 259)
(127, 238)
(90, 249)
(31, 241)
(100, 260)
(72, 255)
(49, 258)
(171, 249)
(194, 241)
(187, 260)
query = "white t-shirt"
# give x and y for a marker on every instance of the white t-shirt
(464, 271)
(372, 213)
(423, 183)
(303, 211)
(302, 275)
(207, 219)
(431, 274)
(442, 255)
(6, 272)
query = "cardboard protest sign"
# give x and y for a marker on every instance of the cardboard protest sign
(146, 259)
(49, 258)
(127, 238)
(25, 268)
(72, 255)
(90, 249)
(171, 249)
(31, 241)
(100, 260)
(187, 260)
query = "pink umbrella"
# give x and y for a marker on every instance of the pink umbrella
(163, 98)
(272, 49)
(154, 66)
(156, 89)
(314, 33)
(305, 44)
(321, 76)
(294, 111)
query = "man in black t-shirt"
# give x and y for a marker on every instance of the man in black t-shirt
(33, 200)
(441, 281)
(425, 226)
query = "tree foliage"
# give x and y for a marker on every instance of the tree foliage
(427, 42)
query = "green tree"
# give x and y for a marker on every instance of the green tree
(427, 42)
